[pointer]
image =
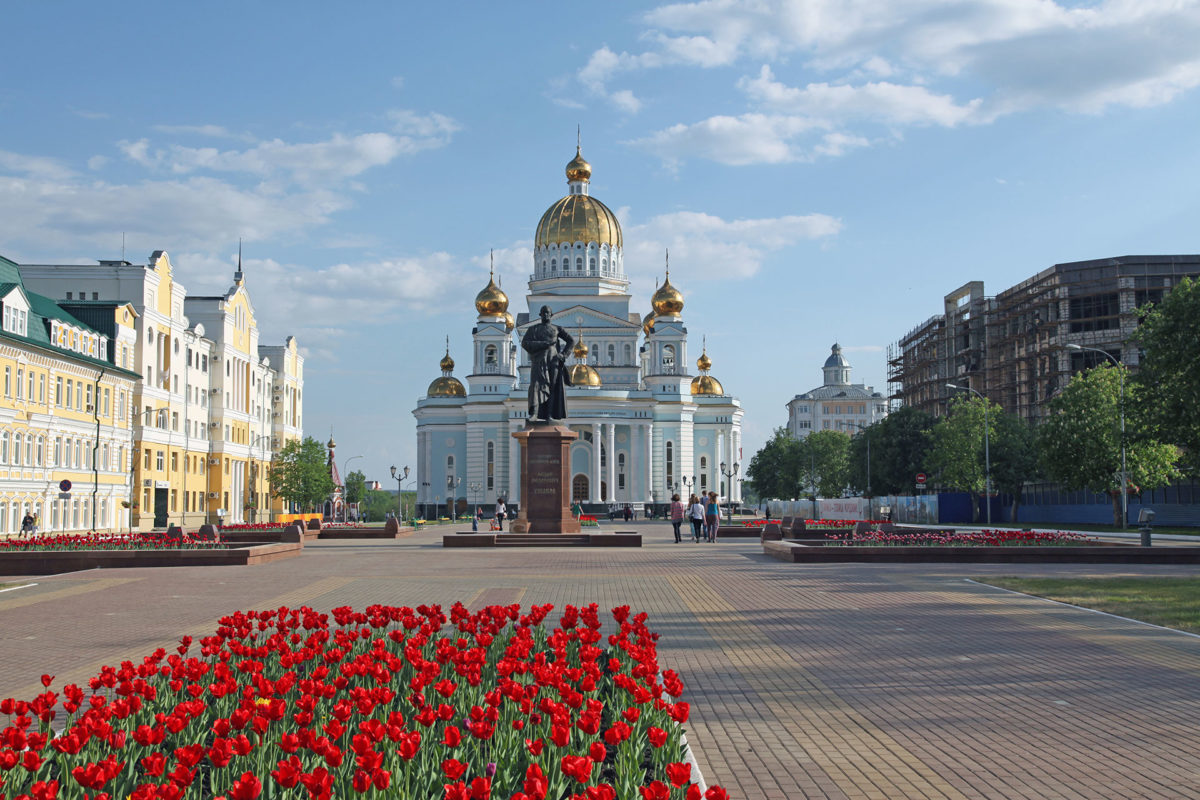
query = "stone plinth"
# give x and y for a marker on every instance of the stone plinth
(545, 480)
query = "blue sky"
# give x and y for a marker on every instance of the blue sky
(821, 171)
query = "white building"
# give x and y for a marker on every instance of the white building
(647, 427)
(837, 405)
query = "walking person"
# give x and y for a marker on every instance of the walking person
(501, 512)
(27, 525)
(676, 516)
(696, 515)
(712, 516)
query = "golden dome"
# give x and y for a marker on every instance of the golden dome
(648, 322)
(509, 322)
(704, 363)
(585, 375)
(447, 363)
(581, 349)
(492, 301)
(579, 169)
(706, 384)
(332, 444)
(446, 386)
(578, 218)
(667, 301)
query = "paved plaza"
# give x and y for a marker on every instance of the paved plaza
(839, 681)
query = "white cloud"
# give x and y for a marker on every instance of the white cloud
(706, 247)
(97, 162)
(212, 131)
(39, 167)
(908, 63)
(334, 159)
(747, 139)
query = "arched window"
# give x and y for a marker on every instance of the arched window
(489, 355)
(595, 356)
(603, 263)
(29, 450)
(41, 451)
(592, 264)
(703, 474)
(621, 471)
(612, 354)
(668, 356)
(579, 264)
(603, 456)
(554, 265)
(16, 453)
(628, 354)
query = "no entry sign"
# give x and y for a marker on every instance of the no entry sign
(920, 478)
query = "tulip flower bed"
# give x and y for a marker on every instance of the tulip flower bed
(759, 523)
(388, 702)
(70, 542)
(257, 526)
(984, 538)
(588, 521)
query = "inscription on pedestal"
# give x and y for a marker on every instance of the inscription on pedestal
(545, 498)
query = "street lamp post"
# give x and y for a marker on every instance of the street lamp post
(399, 476)
(346, 499)
(987, 457)
(729, 475)
(1124, 473)
(425, 491)
(452, 484)
(866, 432)
(474, 487)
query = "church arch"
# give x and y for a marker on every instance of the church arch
(579, 488)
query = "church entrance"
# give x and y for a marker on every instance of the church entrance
(604, 491)
(579, 489)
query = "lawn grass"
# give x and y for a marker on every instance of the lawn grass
(1170, 602)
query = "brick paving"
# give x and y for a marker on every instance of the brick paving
(840, 681)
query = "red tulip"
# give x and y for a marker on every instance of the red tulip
(679, 773)
(246, 787)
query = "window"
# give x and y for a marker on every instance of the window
(592, 264)
(174, 461)
(159, 460)
(489, 355)
(16, 454)
(41, 388)
(612, 354)
(57, 450)
(628, 354)
(491, 466)
(41, 451)
(668, 356)
(621, 471)
(8, 381)
(146, 461)
(20, 384)
(79, 396)
(579, 264)
(174, 420)
(58, 391)
(77, 453)
(106, 398)
(670, 464)
(29, 450)
(89, 396)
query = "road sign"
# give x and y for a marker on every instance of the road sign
(64, 485)
(920, 477)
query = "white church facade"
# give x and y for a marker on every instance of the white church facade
(647, 427)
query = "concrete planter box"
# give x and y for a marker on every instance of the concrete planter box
(50, 563)
(364, 533)
(269, 535)
(738, 532)
(817, 552)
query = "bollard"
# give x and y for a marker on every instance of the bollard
(1145, 531)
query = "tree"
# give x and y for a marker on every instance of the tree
(356, 487)
(774, 469)
(1014, 457)
(1169, 371)
(1080, 442)
(377, 504)
(824, 461)
(899, 444)
(956, 453)
(299, 474)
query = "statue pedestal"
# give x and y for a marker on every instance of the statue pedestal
(545, 480)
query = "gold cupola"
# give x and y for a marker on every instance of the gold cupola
(583, 373)
(492, 301)
(667, 301)
(578, 217)
(648, 322)
(447, 385)
(705, 383)
(509, 322)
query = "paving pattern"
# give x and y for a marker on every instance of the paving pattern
(840, 681)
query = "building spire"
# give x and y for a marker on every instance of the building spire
(239, 277)
(492, 260)
(667, 250)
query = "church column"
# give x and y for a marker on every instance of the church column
(734, 443)
(514, 466)
(612, 460)
(595, 479)
(648, 461)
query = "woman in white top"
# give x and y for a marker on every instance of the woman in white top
(696, 515)
(501, 512)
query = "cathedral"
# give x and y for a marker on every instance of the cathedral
(647, 427)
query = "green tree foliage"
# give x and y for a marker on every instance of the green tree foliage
(356, 486)
(899, 445)
(1014, 457)
(1080, 442)
(1169, 371)
(377, 504)
(956, 453)
(824, 461)
(774, 470)
(300, 475)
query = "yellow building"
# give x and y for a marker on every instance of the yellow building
(65, 437)
(203, 418)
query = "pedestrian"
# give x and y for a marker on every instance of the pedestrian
(475, 520)
(501, 513)
(712, 516)
(676, 516)
(27, 524)
(696, 515)
(628, 512)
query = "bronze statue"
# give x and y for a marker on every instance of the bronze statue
(548, 375)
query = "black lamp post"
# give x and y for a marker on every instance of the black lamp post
(399, 475)
(729, 474)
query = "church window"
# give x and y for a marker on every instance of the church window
(628, 354)
(579, 264)
(554, 265)
(489, 355)
(703, 474)
(670, 465)
(595, 357)
(668, 356)
(603, 263)
(491, 465)
(592, 264)
(603, 456)
(621, 471)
